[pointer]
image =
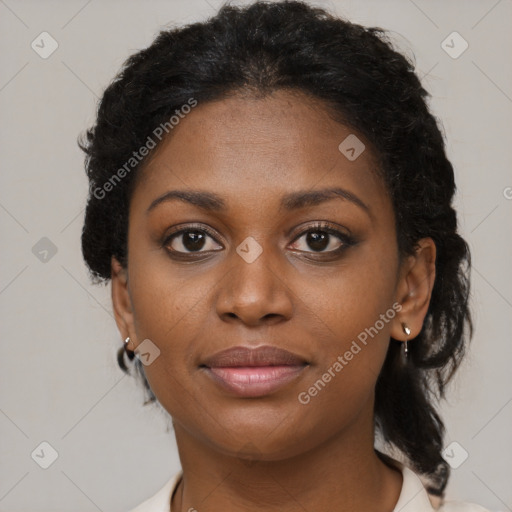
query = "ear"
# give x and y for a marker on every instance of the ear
(414, 289)
(122, 303)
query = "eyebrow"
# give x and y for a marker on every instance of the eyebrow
(209, 201)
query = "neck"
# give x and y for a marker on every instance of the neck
(344, 473)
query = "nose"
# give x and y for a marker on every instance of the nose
(255, 292)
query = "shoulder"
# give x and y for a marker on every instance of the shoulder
(457, 506)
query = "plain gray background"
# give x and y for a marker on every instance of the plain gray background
(59, 381)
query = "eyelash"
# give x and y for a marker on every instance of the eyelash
(347, 240)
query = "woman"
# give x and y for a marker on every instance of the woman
(271, 198)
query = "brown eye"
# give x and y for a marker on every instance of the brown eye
(323, 239)
(191, 240)
(318, 241)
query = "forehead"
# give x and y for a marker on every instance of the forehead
(258, 149)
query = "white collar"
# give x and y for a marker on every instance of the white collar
(413, 496)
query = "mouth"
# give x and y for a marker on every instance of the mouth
(246, 372)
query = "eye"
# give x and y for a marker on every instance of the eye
(319, 238)
(191, 240)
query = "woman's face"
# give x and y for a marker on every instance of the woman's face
(263, 273)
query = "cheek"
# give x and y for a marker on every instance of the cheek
(356, 308)
(166, 307)
(353, 297)
(169, 311)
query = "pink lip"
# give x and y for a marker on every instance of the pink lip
(252, 372)
(253, 381)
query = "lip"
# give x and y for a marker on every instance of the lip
(253, 372)
(265, 355)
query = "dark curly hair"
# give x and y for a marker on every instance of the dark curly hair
(365, 84)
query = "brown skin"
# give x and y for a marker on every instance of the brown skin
(272, 452)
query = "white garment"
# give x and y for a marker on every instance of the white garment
(413, 497)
